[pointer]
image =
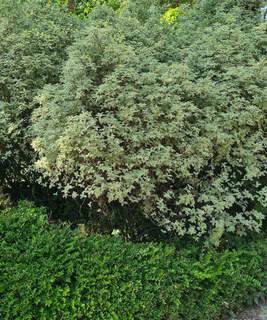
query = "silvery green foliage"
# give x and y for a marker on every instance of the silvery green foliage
(171, 119)
(32, 48)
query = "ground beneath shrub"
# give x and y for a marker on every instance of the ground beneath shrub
(257, 313)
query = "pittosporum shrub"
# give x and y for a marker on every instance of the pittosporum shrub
(34, 36)
(51, 272)
(167, 119)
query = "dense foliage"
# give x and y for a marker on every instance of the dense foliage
(55, 273)
(144, 120)
(167, 119)
(34, 36)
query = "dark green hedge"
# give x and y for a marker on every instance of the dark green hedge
(52, 272)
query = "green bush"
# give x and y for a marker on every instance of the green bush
(170, 119)
(34, 36)
(51, 272)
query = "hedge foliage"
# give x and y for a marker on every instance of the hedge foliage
(169, 119)
(51, 272)
(34, 36)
